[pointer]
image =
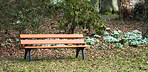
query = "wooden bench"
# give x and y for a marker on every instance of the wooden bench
(28, 40)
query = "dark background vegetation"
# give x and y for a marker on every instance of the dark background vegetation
(28, 16)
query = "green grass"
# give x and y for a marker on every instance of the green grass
(128, 59)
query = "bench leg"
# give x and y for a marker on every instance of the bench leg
(29, 55)
(83, 53)
(26, 50)
(77, 52)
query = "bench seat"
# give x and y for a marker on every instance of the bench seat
(33, 41)
(41, 47)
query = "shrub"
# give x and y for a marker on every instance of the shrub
(140, 11)
(24, 15)
(79, 13)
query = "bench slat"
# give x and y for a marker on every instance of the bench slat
(79, 41)
(51, 35)
(40, 47)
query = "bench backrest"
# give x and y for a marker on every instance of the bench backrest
(40, 39)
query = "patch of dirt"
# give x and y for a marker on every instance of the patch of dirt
(127, 25)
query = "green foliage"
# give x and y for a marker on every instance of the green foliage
(133, 38)
(23, 14)
(140, 11)
(104, 46)
(97, 36)
(17, 40)
(126, 44)
(2, 44)
(79, 13)
(110, 39)
(91, 41)
(136, 32)
(85, 30)
(28, 15)
(8, 40)
(119, 45)
(145, 41)
(92, 33)
(135, 43)
(106, 34)
(6, 43)
(122, 41)
(116, 34)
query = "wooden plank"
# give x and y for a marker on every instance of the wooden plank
(75, 41)
(51, 35)
(41, 47)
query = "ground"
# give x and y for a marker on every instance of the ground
(127, 59)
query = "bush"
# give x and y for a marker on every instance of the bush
(140, 11)
(23, 15)
(79, 13)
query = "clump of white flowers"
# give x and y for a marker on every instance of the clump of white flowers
(116, 34)
(107, 29)
(18, 22)
(91, 41)
(134, 38)
(106, 34)
(47, 45)
(60, 45)
(110, 39)
(134, 43)
(136, 32)
(97, 36)
(145, 41)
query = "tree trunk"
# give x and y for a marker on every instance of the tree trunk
(120, 11)
(145, 22)
(99, 4)
(119, 4)
(73, 26)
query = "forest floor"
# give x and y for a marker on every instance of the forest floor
(127, 59)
